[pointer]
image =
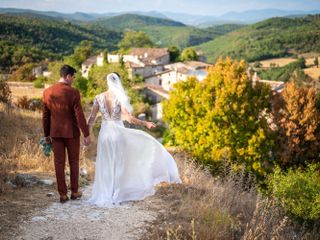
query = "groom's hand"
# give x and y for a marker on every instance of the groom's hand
(48, 140)
(87, 141)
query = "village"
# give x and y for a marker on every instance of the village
(159, 74)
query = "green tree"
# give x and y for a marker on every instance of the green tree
(54, 68)
(81, 83)
(189, 54)
(81, 53)
(174, 53)
(105, 57)
(135, 40)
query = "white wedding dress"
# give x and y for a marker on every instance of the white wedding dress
(129, 162)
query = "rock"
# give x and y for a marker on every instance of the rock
(83, 172)
(38, 218)
(47, 182)
(11, 185)
(50, 194)
(25, 180)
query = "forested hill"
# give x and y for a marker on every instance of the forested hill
(275, 37)
(31, 39)
(165, 32)
(135, 22)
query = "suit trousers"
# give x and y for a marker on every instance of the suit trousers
(72, 145)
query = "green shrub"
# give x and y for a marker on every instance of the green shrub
(81, 83)
(298, 191)
(39, 82)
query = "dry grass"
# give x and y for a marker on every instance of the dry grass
(310, 61)
(204, 207)
(280, 62)
(19, 149)
(20, 89)
(313, 72)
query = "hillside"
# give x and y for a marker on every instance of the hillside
(25, 38)
(161, 30)
(134, 22)
(186, 36)
(275, 37)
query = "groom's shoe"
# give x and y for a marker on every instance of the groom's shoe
(76, 195)
(64, 198)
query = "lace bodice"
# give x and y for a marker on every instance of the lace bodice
(100, 104)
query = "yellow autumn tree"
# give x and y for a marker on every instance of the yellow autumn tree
(223, 117)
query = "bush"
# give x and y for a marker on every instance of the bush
(81, 83)
(298, 191)
(5, 92)
(39, 82)
(29, 104)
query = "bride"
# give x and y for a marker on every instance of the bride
(129, 162)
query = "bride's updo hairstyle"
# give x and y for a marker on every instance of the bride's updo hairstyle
(115, 85)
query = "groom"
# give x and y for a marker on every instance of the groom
(62, 118)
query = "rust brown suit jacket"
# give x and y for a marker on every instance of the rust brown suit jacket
(62, 112)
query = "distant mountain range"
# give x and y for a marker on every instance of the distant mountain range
(247, 17)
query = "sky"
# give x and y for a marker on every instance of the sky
(198, 7)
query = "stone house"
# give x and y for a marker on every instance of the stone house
(176, 72)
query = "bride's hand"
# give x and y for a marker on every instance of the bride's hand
(150, 125)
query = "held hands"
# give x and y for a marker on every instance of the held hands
(87, 141)
(150, 125)
(48, 140)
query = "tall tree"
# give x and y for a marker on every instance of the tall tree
(189, 54)
(174, 53)
(135, 40)
(223, 117)
(81, 53)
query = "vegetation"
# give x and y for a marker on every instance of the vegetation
(81, 53)
(39, 82)
(30, 39)
(160, 30)
(23, 73)
(275, 37)
(220, 118)
(5, 92)
(297, 118)
(205, 207)
(134, 22)
(298, 192)
(284, 73)
(189, 54)
(134, 40)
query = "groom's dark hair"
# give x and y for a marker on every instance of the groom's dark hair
(66, 69)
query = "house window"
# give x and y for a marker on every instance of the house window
(160, 81)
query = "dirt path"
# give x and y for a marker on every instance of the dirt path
(79, 220)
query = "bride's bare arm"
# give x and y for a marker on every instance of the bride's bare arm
(93, 114)
(133, 120)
